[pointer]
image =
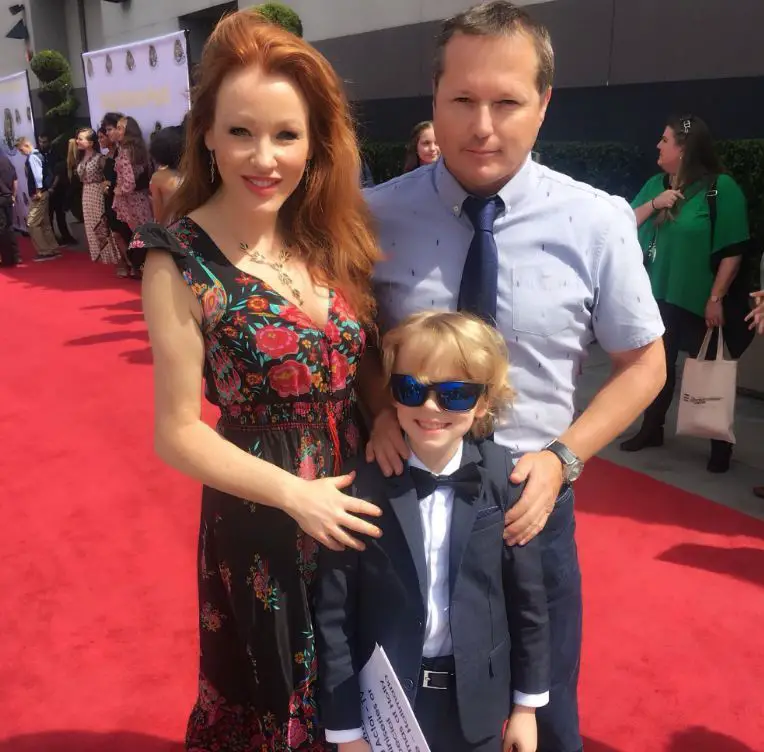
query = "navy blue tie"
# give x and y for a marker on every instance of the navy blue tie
(477, 293)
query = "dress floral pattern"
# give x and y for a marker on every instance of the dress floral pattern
(285, 389)
(131, 205)
(90, 173)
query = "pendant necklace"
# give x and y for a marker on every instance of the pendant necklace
(277, 266)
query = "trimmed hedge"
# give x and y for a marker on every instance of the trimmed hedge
(282, 15)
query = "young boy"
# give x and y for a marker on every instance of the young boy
(460, 615)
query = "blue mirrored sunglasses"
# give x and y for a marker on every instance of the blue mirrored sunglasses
(453, 396)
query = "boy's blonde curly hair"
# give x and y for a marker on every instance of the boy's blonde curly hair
(477, 349)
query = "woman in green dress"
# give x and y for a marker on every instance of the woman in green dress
(693, 228)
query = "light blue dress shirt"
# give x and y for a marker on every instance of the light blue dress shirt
(570, 271)
(36, 166)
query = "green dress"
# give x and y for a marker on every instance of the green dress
(679, 251)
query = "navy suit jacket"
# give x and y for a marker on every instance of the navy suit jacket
(498, 610)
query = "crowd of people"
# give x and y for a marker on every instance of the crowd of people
(378, 475)
(110, 180)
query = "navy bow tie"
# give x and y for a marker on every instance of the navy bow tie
(465, 481)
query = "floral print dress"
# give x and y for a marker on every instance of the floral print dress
(285, 389)
(132, 204)
(102, 247)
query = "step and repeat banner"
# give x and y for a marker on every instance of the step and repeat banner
(18, 121)
(148, 80)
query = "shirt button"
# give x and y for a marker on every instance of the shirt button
(408, 685)
(457, 209)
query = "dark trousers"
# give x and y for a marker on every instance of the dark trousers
(57, 209)
(684, 333)
(438, 717)
(558, 721)
(9, 248)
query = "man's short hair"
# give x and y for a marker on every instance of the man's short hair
(498, 18)
(22, 141)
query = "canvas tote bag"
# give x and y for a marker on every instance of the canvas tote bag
(707, 394)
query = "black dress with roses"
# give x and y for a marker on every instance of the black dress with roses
(285, 389)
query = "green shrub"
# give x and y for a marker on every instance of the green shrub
(283, 16)
(55, 75)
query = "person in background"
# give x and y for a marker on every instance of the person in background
(9, 248)
(756, 324)
(166, 150)
(75, 186)
(90, 172)
(131, 194)
(38, 218)
(422, 148)
(120, 230)
(692, 265)
(57, 184)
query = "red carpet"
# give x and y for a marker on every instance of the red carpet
(98, 643)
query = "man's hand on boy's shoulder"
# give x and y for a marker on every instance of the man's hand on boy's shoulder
(521, 734)
(542, 474)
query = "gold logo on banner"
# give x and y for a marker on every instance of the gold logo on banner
(180, 56)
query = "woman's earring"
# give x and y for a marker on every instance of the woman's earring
(212, 166)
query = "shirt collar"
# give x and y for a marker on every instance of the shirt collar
(452, 194)
(453, 464)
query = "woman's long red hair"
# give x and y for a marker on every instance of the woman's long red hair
(326, 217)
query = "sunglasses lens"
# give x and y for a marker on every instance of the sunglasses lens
(408, 391)
(458, 396)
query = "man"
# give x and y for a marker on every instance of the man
(553, 262)
(56, 182)
(9, 249)
(38, 219)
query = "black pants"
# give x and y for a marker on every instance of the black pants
(57, 209)
(684, 333)
(558, 721)
(438, 717)
(9, 248)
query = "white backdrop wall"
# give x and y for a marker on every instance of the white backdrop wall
(147, 80)
(18, 121)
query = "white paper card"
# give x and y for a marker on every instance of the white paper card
(388, 720)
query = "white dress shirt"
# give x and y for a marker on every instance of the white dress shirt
(435, 512)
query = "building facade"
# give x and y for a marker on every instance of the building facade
(623, 65)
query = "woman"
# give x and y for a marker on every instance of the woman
(90, 174)
(422, 148)
(166, 150)
(75, 186)
(120, 231)
(132, 204)
(692, 265)
(262, 289)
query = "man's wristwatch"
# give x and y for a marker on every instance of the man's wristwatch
(572, 466)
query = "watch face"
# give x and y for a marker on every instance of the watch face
(573, 472)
